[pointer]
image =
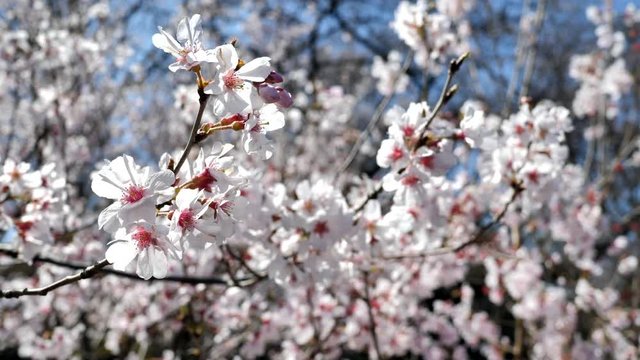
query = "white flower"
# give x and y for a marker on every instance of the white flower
(187, 223)
(191, 53)
(136, 190)
(473, 127)
(254, 139)
(232, 86)
(145, 242)
(389, 73)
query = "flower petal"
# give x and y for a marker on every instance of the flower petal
(255, 70)
(120, 254)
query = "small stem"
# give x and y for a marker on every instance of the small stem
(374, 119)
(372, 320)
(204, 98)
(84, 274)
(445, 95)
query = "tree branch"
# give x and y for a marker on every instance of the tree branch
(42, 291)
(374, 119)
(203, 99)
(372, 320)
(88, 271)
(445, 95)
(477, 238)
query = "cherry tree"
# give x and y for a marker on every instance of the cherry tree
(251, 189)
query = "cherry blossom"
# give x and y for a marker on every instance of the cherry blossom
(187, 49)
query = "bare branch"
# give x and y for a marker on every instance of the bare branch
(477, 238)
(42, 291)
(88, 271)
(374, 119)
(372, 320)
(204, 98)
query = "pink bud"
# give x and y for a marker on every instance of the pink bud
(285, 98)
(231, 119)
(274, 78)
(268, 93)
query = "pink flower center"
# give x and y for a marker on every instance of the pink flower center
(407, 131)
(225, 206)
(186, 220)
(396, 154)
(144, 238)
(321, 228)
(427, 161)
(133, 194)
(231, 81)
(183, 58)
(202, 181)
(410, 180)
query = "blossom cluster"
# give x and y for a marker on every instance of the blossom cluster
(157, 215)
(434, 33)
(33, 206)
(456, 233)
(602, 74)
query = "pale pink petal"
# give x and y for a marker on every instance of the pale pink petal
(255, 70)
(120, 254)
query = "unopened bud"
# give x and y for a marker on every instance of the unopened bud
(231, 119)
(285, 100)
(274, 78)
(268, 93)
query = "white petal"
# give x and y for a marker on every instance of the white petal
(183, 32)
(271, 118)
(108, 219)
(161, 180)
(144, 269)
(232, 102)
(106, 186)
(186, 198)
(227, 57)
(145, 209)
(120, 254)
(159, 263)
(166, 42)
(214, 88)
(176, 66)
(255, 70)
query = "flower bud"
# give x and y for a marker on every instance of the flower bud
(268, 93)
(285, 98)
(274, 78)
(231, 119)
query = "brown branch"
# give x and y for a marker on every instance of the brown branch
(244, 264)
(445, 95)
(88, 271)
(477, 238)
(372, 320)
(42, 291)
(374, 119)
(203, 99)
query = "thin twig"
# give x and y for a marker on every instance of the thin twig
(244, 263)
(445, 95)
(101, 269)
(203, 99)
(42, 291)
(531, 54)
(372, 320)
(477, 238)
(375, 118)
